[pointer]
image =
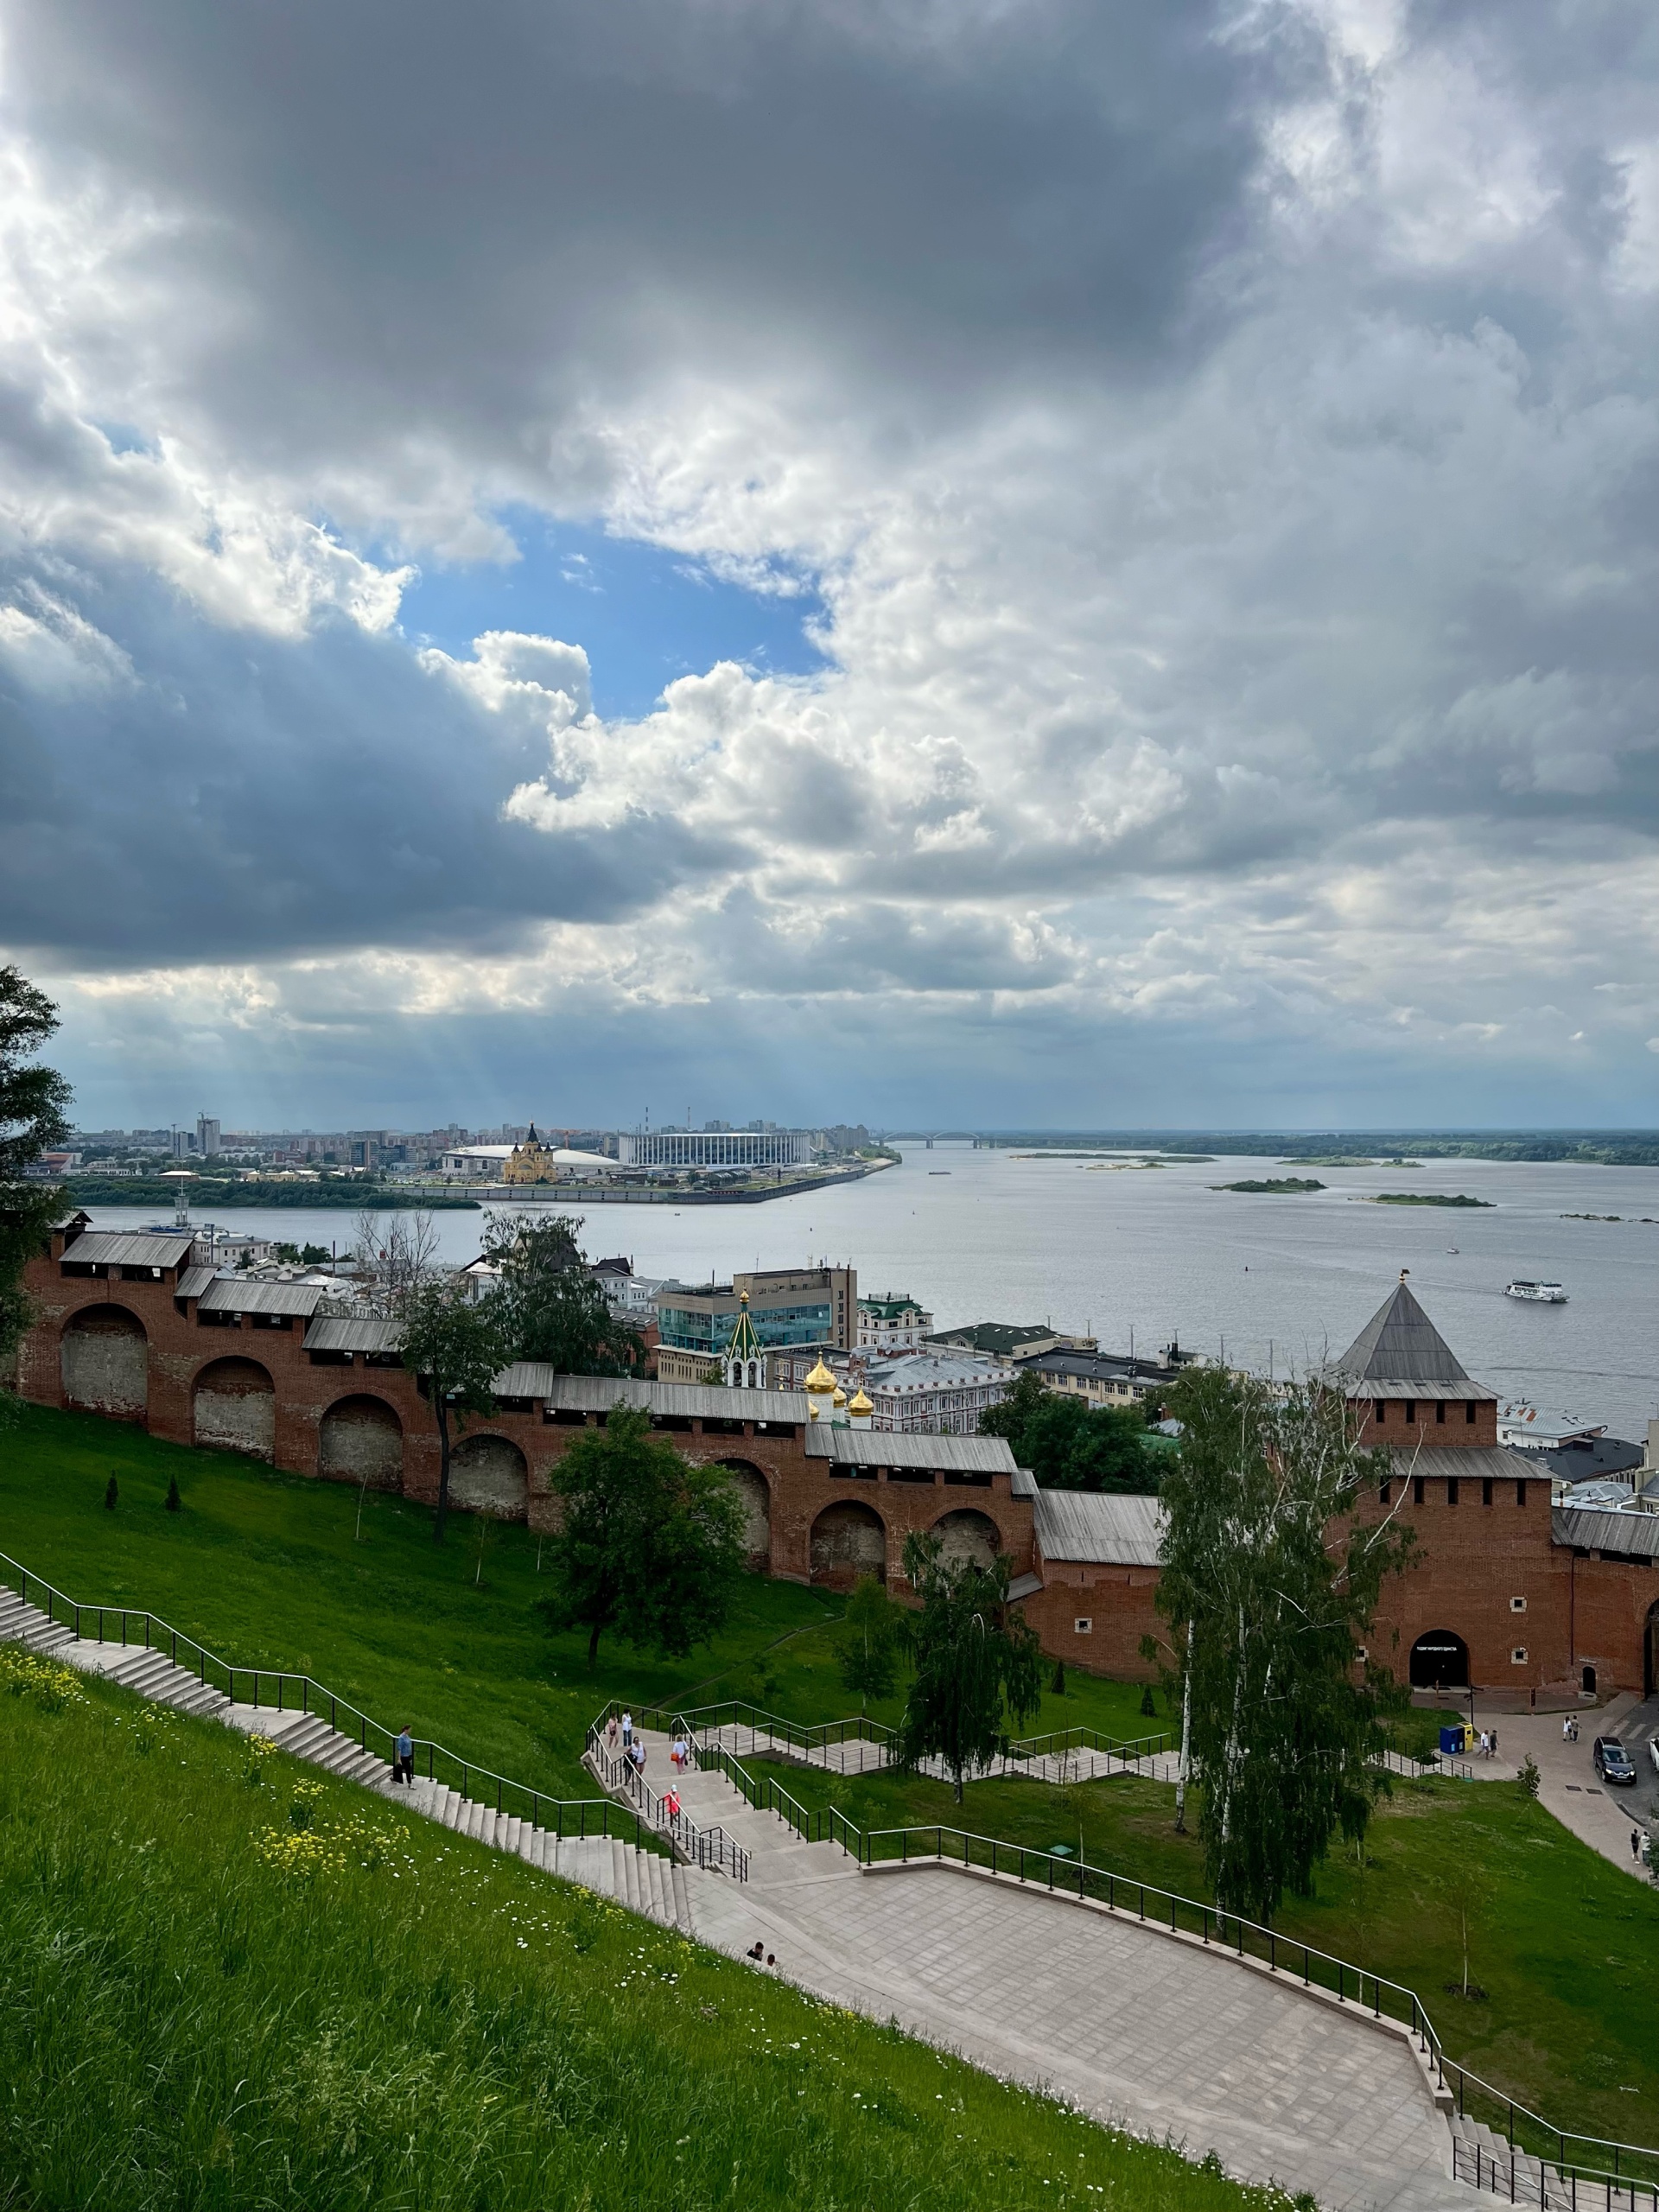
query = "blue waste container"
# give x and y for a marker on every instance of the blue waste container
(1451, 1740)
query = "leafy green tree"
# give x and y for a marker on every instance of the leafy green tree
(650, 1544)
(1068, 1446)
(867, 1646)
(977, 1662)
(33, 1100)
(1273, 1576)
(453, 1343)
(552, 1308)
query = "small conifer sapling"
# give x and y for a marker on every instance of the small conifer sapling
(174, 1503)
(111, 1494)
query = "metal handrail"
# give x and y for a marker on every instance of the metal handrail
(708, 1846)
(1060, 1743)
(1525, 2178)
(253, 1685)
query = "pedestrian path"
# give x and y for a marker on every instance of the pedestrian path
(1148, 2031)
(1569, 1785)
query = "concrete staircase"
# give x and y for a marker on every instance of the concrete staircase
(641, 1881)
(1483, 2157)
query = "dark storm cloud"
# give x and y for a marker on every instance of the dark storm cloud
(399, 216)
(167, 796)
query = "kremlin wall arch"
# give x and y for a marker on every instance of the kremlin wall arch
(130, 1327)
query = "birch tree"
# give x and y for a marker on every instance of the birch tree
(1271, 1575)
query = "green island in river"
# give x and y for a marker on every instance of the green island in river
(1424, 1198)
(1279, 1184)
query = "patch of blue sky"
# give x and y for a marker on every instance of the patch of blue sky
(123, 438)
(643, 615)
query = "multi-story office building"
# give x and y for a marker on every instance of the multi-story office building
(787, 1306)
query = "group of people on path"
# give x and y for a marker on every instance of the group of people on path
(1487, 1743)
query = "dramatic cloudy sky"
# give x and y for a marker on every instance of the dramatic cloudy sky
(984, 559)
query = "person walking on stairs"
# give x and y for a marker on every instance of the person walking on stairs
(627, 1729)
(403, 1766)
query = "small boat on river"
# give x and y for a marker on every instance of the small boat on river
(1535, 1294)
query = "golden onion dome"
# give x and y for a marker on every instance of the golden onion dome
(820, 1378)
(861, 1404)
(841, 1395)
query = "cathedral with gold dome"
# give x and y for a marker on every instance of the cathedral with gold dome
(743, 1367)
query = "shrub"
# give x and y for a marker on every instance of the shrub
(255, 1752)
(1526, 1781)
(1058, 1685)
(1148, 1708)
(111, 1493)
(173, 1501)
(302, 1807)
(42, 1681)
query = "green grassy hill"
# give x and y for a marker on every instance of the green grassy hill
(198, 2009)
(265, 1568)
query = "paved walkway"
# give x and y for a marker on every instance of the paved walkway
(1147, 2033)
(1569, 1785)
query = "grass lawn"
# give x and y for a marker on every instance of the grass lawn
(1565, 1946)
(191, 2016)
(266, 1569)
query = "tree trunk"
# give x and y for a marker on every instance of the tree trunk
(441, 1409)
(1187, 1736)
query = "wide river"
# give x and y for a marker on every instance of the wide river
(990, 1235)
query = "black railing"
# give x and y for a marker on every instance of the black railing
(708, 1846)
(1553, 2186)
(273, 1689)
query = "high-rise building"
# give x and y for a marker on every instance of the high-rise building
(785, 1306)
(207, 1135)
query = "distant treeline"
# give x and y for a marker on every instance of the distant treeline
(1594, 1148)
(207, 1193)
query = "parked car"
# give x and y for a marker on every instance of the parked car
(1612, 1761)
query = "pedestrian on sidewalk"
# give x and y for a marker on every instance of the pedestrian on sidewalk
(1494, 1740)
(671, 1802)
(403, 1766)
(678, 1752)
(1636, 1844)
(627, 1729)
(610, 1732)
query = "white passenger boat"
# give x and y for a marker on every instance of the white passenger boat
(1536, 1294)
